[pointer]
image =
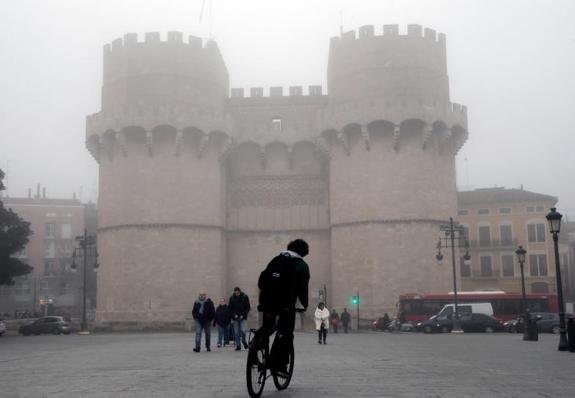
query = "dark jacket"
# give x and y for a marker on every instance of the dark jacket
(207, 315)
(345, 317)
(239, 306)
(284, 281)
(222, 317)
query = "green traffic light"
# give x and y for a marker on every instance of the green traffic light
(355, 300)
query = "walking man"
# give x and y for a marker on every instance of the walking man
(345, 319)
(334, 319)
(203, 314)
(239, 307)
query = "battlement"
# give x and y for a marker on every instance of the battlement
(277, 92)
(390, 31)
(154, 39)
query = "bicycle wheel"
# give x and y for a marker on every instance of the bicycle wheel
(256, 368)
(281, 382)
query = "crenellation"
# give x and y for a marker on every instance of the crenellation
(414, 30)
(175, 37)
(117, 44)
(256, 92)
(130, 39)
(348, 36)
(390, 30)
(195, 42)
(295, 91)
(430, 34)
(152, 37)
(366, 31)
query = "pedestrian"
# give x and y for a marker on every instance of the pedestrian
(239, 307)
(386, 321)
(222, 321)
(345, 319)
(334, 319)
(321, 322)
(203, 314)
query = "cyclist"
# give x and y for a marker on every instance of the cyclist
(282, 284)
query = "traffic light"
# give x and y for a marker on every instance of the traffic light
(355, 300)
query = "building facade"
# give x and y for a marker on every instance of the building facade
(51, 287)
(200, 185)
(497, 221)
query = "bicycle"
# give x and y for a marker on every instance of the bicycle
(257, 365)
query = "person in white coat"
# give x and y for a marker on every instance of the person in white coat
(321, 322)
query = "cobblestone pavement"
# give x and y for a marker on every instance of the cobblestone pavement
(352, 365)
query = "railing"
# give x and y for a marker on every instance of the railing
(493, 244)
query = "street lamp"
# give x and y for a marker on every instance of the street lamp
(86, 246)
(521, 252)
(449, 242)
(554, 218)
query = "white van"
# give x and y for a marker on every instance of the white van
(463, 308)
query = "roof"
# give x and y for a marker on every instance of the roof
(40, 201)
(501, 195)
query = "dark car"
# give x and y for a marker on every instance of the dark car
(2, 327)
(48, 324)
(547, 322)
(469, 323)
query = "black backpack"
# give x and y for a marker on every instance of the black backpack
(277, 284)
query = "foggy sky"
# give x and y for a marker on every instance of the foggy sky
(511, 62)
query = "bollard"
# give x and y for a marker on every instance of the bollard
(530, 332)
(571, 334)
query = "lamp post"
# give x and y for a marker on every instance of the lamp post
(554, 218)
(449, 242)
(86, 246)
(521, 252)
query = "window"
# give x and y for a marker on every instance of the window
(486, 269)
(462, 212)
(49, 268)
(530, 209)
(49, 248)
(505, 210)
(507, 266)
(67, 248)
(539, 209)
(483, 211)
(538, 264)
(277, 124)
(536, 233)
(50, 230)
(464, 269)
(465, 230)
(506, 235)
(484, 236)
(66, 231)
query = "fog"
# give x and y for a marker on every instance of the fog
(510, 62)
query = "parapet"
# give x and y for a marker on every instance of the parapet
(413, 30)
(130, 40)
(277, 91)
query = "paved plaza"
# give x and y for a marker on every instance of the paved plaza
(369, 364)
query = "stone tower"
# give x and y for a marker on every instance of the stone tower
(200, 188)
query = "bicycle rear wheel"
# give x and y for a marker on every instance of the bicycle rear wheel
(282, 382)
(256, 368)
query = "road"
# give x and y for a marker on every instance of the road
(353, 365)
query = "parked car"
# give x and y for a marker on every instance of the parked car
(547, 322)
(48, 324)
(2, 327)
(469, 323)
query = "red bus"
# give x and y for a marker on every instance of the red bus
(418, 307)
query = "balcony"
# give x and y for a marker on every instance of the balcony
(493, 244)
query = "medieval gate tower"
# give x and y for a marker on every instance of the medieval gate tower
(201, 185)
